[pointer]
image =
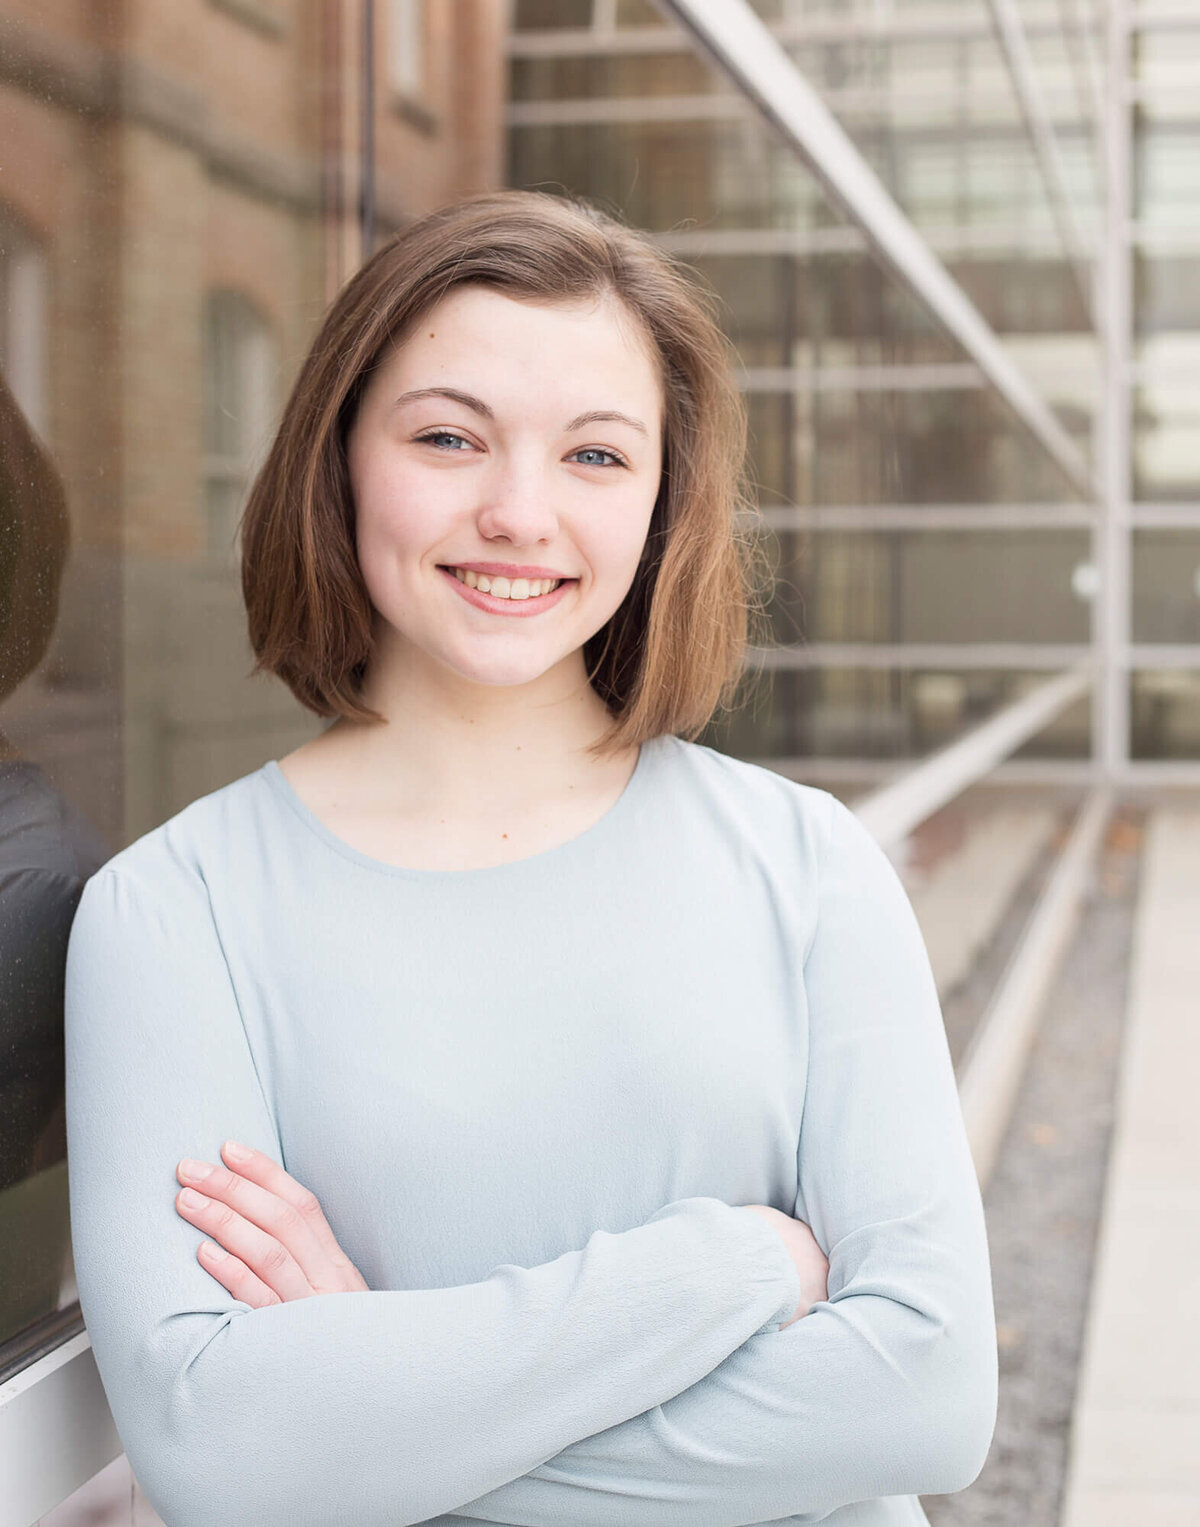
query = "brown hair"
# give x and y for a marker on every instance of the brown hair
(35, 534)
(673, 652)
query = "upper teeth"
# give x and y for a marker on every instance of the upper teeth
(505, 588)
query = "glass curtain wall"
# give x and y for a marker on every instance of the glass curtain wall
(1165, 381)
(932, 559)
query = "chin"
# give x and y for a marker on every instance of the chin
(502, 675)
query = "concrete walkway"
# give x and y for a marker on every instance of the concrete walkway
(962, 870)
(1135, 1439)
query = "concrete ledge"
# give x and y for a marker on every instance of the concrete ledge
(1135, 1455)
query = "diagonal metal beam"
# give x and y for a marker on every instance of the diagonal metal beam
(1010, 34)
(740, 45)
(892, 812)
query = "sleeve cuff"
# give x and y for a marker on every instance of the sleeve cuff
(769, 1262)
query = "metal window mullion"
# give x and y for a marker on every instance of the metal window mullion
(1165, 516)
(924, 517)
(1111, 536)
(957, 657)
(1154, 656)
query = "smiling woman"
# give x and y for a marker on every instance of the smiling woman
(537, 319)
(604, 1160)
(516, 382)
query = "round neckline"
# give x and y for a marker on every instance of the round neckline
(634, 786)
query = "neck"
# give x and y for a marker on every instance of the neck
(453, 748)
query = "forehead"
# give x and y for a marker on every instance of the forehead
(479, 333)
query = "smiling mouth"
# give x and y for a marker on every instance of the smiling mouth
(507, 590)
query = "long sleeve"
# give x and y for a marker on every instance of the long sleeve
(381, 1407)
(890, 1386)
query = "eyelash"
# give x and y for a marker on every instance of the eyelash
(619, 460)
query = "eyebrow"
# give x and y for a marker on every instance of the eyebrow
(477, 405)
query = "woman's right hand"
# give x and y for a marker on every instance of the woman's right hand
(810, 1261)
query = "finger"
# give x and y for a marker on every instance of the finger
(263, 1208)
(259, 1168)
(268, 1258)
(233, 1273)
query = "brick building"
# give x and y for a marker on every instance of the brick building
(181, 198)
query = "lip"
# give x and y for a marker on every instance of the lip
(515, 607)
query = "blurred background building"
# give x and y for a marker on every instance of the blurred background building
(957, 246)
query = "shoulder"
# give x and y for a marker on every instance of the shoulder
(177, 859)
(764, 799)
(777, 818)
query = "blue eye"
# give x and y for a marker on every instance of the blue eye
(598, 450)
(442, 434)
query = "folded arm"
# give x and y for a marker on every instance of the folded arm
(380, 1407)
(889, 1387)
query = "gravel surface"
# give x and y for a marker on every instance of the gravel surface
(1044, 1197)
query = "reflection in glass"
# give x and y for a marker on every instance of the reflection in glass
(47, 851)
(23, 318)
(240, 369)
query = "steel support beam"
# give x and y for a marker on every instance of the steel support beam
(1111, 541)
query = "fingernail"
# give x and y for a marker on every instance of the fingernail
(196, 1170)
(211, 1249)
(238, 1152)
(193, 1200)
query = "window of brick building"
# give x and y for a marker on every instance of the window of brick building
(23, 319)
(240, 371)
(406, 47)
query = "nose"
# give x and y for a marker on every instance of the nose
(518, 504)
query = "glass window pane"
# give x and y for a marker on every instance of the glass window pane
(867, 713)
(1165, 714)
(1166, 586)
(1166, 428)
(929, 586)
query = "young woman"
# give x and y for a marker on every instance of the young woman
(604, 1157)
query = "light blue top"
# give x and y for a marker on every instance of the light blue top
(533, 1100)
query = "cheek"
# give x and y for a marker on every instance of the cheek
(394, 511)
(625, 534)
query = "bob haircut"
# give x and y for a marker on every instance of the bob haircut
(674, 650)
